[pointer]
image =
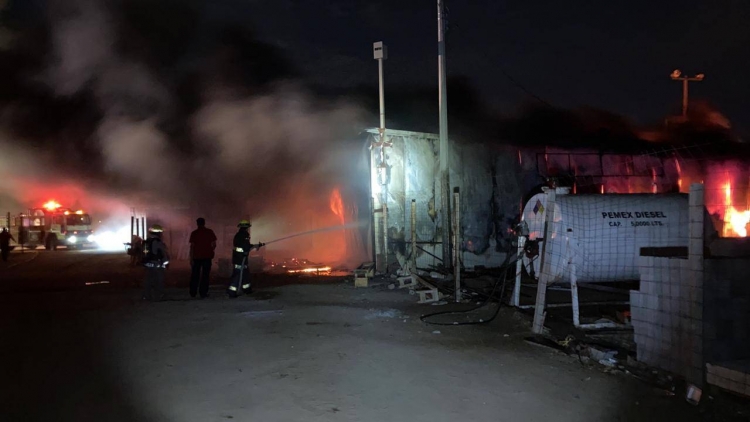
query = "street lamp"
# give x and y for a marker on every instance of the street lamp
(677, 76)
(380, 53)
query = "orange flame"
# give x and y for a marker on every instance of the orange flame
(735, 221)
(51, 205)
(337, 205)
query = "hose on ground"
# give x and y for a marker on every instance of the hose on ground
(507, 265)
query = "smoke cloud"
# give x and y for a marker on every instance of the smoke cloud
(168, 134)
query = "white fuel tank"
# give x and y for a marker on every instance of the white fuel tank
(603, 234)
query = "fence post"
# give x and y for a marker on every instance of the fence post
(519, 270)
(413, 236)
(457, 244)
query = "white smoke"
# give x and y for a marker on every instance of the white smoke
(138, 151)
(82, 44)
(271, 153)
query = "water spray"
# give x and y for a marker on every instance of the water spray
(325, 229)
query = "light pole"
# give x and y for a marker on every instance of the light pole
(677, 76)
(444, 153)
(380, 53)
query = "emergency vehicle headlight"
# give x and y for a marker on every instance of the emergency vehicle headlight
(72, 239)
(91, 238)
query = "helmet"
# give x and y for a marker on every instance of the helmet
(156, 229)
(244, 223)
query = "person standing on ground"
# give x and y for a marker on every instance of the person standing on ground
(202, 246)
(5, 238)
(240, 250)
(156, 261)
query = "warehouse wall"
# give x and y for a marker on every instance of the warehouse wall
(491, 183)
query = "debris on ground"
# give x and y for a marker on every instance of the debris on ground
(605, 357)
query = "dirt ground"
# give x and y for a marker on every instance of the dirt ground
(290, 352)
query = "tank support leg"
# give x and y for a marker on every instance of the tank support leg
(574, 295)
(519, 269)
(545, 266)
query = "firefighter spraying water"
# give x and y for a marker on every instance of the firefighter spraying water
(322, 230)
(241, 245)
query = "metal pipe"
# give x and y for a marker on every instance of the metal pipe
(143, 225)
(132, 228)
(382, 98)
(457, 244)
(574, 295)
(519, 268)
(137, 227)
(385, 231)
(414, 236)
(380, 54)
(444, 172)
(567, 305)
(373, 232)
(684, 97)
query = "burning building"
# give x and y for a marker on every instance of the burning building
(495, 180)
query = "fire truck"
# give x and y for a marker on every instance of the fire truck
(52, 226)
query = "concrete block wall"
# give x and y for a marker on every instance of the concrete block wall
(727, 309)
(726, 324)
(732, 375)
(667, 310)
(667, 315)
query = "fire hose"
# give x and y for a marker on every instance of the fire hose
(507, 265)
(326, 229)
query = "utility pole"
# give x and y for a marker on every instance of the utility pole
(444, 152)
(677, 76)
(380, 53)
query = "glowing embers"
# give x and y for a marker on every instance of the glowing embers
(300, 267)
(322, 270)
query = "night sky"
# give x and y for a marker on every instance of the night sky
(611, 55)
(615, 56)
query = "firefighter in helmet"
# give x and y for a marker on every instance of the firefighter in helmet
(241, 247)
(156, 260)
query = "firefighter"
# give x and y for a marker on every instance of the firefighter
(240, 281)
(156, 261)
(5, 238)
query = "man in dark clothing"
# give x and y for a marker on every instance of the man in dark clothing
(5, 239)
(241, 248)
(156, 261)
(202, 246)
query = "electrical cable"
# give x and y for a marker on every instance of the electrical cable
(506, 265)
(524, 89)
